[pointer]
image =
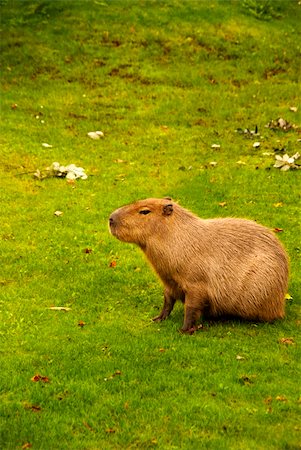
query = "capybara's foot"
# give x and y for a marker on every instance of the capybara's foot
(160, 317)
(188, 330)
(157, 318)
(192, 329)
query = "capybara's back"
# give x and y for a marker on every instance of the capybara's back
(224, 266)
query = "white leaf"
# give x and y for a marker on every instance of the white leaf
(95, 134)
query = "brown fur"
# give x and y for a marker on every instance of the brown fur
(225, 266)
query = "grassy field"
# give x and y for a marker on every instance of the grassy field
(164, 81)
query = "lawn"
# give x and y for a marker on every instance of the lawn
(187, 96)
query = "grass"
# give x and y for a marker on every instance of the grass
(163, 81)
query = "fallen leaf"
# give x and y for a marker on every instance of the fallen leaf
(88, 250)
(110, 430)
(281, 124)
(222, 204)
(247, 380)
(215, 146)
(278, 230)
(256, 144)
(96, 134)
(164, 128)
(60, 308)
(88, 426)
(287, 162)
(288, 297)
(293, 109)
(268, 400)
(278, 205)
(81, 323)
(38, 377)
(14, 106)
(162, 350)
(281, 398)
(242, 163)
(239, 358)
(58, 213)
(113, 264)
(46, 145)
(213, 163)
(287, 341)
(26, 445)
(34, 408)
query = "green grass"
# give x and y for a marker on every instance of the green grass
(163, 81)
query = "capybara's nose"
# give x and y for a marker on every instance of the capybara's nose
(111, 220)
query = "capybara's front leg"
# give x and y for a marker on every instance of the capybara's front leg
(169, 301)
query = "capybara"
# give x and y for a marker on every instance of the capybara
(223, 266)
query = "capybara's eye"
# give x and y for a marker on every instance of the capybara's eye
(144, 211)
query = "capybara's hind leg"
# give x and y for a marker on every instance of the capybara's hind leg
(194, 305)
(169, 301)
(192, 315)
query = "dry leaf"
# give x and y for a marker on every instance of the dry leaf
(247, 380)
(268, 400)
(88, 250)
(278, 230)
(164, 128)
(33, 408)
(281, 124)
(239, 358)
(38, 377)
(88, 426)
(281, 398)
(60, 308)
(113, 264)
(287, 162)
(81, 323)
(278, 205)
(58, 213)
(110, 430)
(222, 204)
(26, 445)
(287, 341)
(96, 134)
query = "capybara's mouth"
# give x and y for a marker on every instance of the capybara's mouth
(112, 226)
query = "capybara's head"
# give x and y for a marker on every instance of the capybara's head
(139, 221)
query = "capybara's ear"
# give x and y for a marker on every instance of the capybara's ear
(167, 198)
(167, 209)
